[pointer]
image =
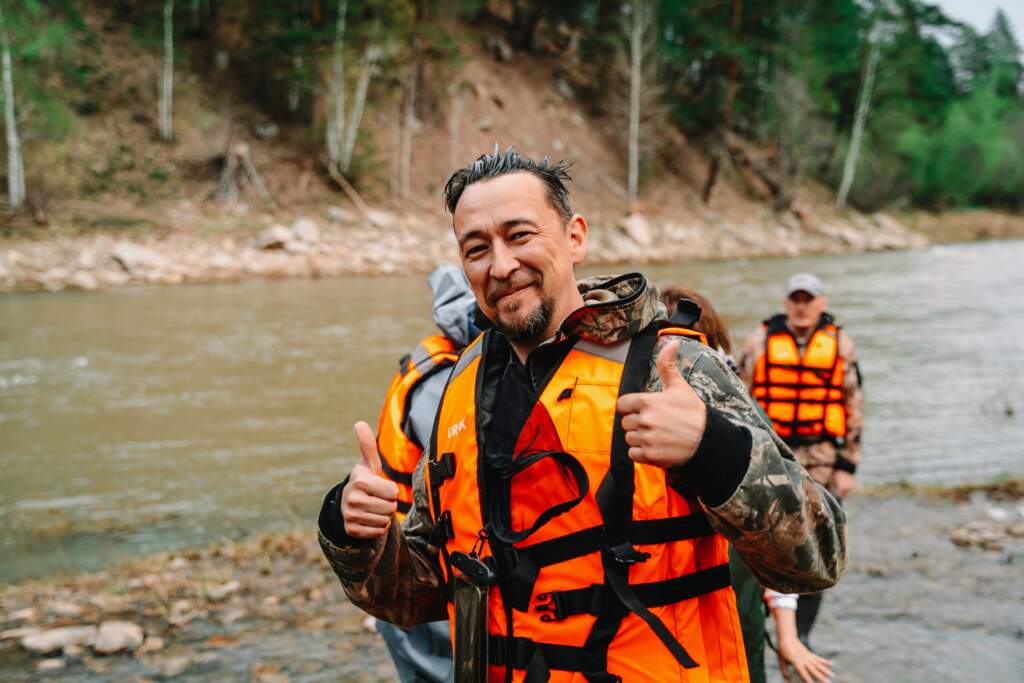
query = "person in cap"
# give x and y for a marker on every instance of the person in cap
(802, 369)
(590, 463)
(423, 653)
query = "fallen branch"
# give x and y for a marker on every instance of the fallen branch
(346, 186)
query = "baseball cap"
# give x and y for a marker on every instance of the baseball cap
(804, 282)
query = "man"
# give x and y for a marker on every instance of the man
(803, 370)
(584, 473)
(423, 652)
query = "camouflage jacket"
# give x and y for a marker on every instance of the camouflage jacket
(789, 529)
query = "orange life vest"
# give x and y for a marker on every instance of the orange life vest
(802, 392)
(398, 452)
(599, 566)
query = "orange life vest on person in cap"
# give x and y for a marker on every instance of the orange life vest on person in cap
(802, 392)
(596, 565)
(398, 452)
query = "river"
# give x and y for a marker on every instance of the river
(145, 419)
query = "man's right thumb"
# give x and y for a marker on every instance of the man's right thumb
(368, 447)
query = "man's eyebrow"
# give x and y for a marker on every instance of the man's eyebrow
(470, 235)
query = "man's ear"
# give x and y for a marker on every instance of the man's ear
(577, 231)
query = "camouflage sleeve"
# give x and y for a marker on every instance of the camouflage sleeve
(396, 578)
(788, 528)
(751, 351)
(854, 399)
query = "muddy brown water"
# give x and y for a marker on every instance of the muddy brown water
(146, 419)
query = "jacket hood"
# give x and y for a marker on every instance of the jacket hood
(614, 308)
(453, 305)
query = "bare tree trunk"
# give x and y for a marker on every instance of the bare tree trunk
(859, 119)
(15, 169)
(294, 93)
(407, 130)
(369, 67)
(635, 77)
(336, 117)
(454, 123)
(396, 147)
(167, 87)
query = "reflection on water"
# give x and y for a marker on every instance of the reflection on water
(142, 419)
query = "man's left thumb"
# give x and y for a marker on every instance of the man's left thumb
(667, 368)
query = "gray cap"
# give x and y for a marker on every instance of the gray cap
(804, 282)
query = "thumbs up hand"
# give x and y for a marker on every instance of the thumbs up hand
(368, 500)
(664, 428)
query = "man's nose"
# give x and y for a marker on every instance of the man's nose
(504, 262)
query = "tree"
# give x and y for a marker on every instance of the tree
(15, 168)
(639, 24)
(167, 83)
(863, 103)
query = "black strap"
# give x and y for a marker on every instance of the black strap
(687, 313)
(393, 474)
(596, 599)
(521, 653)
(615, 500)
(404, 507)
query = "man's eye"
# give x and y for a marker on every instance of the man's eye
(474, 251)
(518, 236)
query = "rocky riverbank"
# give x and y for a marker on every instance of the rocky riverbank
(269, 610)
(338, 242)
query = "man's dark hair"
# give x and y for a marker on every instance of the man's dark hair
(553, 175)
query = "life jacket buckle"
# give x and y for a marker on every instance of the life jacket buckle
(551, 606)
(625, 553)
(445, 527)
(443, 468)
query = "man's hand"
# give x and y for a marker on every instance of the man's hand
(368, 500)
(664, 428)
(842, 483)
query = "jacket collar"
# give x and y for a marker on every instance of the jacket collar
(614, 308)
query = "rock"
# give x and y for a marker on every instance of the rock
(175, 666)
(73, 650)
(218, 593)
(221, 261)
(134, 258)
(115, 636)
(1015, 530)
(267, 673)
(337, 214)
(267, 131)
(151, 644)
(370, 624)
(499, 48)
(305, 230)
(564, 89)
(19, 633)
(50, 665)
(26, 614)
(485, 124)
(636, 227)
(105, 601)
(83, 280)
(380, 218)
(45, 642)
(274, 237)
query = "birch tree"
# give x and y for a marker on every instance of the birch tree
(370, 57)
(336, 116)
(408, 122)
(15, 169)
(639, 25)
(167, 83)
(860, 116)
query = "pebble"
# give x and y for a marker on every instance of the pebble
(116, 636)
(45, 642)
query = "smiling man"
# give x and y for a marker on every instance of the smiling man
(590, 463)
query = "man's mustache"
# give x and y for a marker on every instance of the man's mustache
(499, 288)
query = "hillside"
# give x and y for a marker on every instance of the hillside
(116, 205)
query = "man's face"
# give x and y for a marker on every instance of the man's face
(803, 309)
(518, 255)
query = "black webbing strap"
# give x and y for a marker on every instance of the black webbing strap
(393, 474)
(596, 599)
(615, 500)
(404, 507)
(523, 653)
